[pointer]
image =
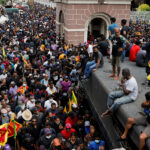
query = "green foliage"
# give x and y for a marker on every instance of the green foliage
(143, 7)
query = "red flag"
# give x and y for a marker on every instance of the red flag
(3, 134)
(11, 128)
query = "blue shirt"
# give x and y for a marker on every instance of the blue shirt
(95, 146)
(112, 27)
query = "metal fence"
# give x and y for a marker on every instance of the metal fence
(140, 16)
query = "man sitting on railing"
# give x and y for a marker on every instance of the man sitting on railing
(128, 93)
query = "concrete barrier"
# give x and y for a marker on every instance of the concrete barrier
(98, 87)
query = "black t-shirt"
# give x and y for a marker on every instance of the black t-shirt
(124, 28)
(103, 47)
(117, 42)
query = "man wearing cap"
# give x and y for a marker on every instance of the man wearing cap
(66, 133)
(13, 89)
(46, 139)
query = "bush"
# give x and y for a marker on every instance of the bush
(143, 7)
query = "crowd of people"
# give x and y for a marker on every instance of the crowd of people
(39, 86)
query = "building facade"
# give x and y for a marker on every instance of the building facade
(76, 19)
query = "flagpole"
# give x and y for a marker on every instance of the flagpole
(14, 132)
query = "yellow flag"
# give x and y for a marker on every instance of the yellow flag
(65, 110)
(74, 98)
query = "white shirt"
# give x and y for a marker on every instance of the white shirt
(44, 82)
(30, 104)
(90, 49)
(131, 85)
(48, 104)
(51, 91)
(3, 76)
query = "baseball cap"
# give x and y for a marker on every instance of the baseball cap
(3, 111)
(68, 125)
(47, 131)
(87, 123)
(74, 105)
(7, 147)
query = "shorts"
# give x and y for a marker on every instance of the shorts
(143, 121)
(116, 61)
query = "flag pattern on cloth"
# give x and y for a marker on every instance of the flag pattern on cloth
(25, 61)
(74, 98)
(4, 53)
(3, 134)
(65, 110)
(11, 128)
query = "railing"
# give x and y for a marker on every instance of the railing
(78, 1)
(140, 16)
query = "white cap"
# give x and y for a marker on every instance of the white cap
(87, 123)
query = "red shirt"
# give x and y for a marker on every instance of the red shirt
(66, 134)
(71, 121)
(133, 52)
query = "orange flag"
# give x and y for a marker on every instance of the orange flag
(11, 128)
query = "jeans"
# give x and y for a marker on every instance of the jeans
(117, 98)
(89, 67)
(126, 51)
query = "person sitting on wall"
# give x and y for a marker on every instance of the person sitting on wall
(141, 58)
(142, 120)
(134, 50)
(93, 65)
(128, 93)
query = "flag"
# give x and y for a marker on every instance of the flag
(70, 103)
(25, 61)
(13, 127)
(74, 98)
(4, 54)
(3, 134)
(65, 110)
